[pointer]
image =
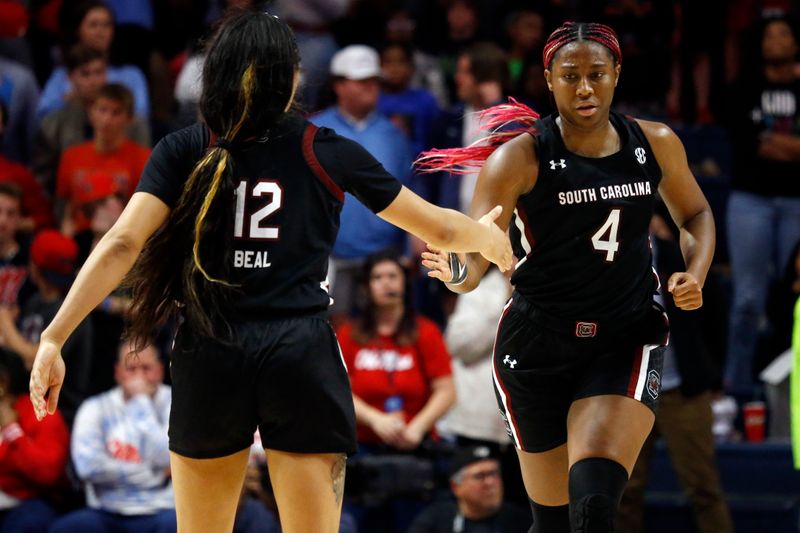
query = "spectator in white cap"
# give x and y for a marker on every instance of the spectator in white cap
(356, 62)
(355, 71)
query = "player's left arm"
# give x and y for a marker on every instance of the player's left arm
(690, 211)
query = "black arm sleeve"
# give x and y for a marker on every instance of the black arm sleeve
(355, 170)
(171, 163)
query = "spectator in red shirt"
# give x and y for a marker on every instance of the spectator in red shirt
(111, 151)
(397, 361)
(33, 455)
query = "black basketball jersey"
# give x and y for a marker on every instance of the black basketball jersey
(289, 193)
(582, 233)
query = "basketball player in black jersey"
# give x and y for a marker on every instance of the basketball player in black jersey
(235, 219)
(577, 358)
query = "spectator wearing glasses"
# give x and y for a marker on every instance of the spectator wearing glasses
(476, 483)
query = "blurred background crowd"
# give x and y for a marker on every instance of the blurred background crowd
(88, 87)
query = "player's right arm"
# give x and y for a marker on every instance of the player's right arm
(449, 229)
(508, 173)
(108, 263)
(355, 170)
(103, 271)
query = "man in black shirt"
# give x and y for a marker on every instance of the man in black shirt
(478, 487)
(764, 208)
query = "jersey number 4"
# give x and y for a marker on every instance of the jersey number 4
(609, 245)
(256, 230)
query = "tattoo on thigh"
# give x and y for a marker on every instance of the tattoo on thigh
(337, 477)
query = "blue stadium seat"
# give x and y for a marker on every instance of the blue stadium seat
(761, 485)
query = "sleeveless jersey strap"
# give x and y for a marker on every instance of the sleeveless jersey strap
(315, 166)
(643, 153)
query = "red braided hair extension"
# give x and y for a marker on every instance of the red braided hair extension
(503, 121)
(581, 31)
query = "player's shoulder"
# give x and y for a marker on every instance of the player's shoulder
(657, 132)
(189, 135)
(514, 165)
(330, 146)
(518, 151)
(189, 142)
(327, 134)
(666, 144)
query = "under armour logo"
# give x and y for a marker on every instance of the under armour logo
(510, 362)
(553, 164)
(640, 157)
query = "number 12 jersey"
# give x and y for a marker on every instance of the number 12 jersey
(288, 193)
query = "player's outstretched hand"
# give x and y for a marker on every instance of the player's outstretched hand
(686, 291)
(47, 377)
(438, 263)
(499, 252)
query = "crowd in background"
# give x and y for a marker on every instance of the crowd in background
(88, 87)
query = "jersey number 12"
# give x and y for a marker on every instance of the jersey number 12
(256, 230)
(608, 245)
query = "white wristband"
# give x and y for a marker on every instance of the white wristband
(458, 269)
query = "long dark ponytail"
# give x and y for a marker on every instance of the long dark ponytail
(248, 81)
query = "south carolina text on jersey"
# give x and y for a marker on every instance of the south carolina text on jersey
(626, 190)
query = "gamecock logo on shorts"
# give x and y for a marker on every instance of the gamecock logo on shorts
(585, 329)
(653, 383)
(506, 423)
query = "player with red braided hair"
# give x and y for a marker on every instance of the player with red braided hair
(578, 352)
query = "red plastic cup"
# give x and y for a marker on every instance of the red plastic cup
(755, 414)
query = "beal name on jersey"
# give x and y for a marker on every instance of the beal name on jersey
(251, 259)
(626, 190)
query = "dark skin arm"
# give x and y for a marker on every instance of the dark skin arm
(690, 211)
(510, 172)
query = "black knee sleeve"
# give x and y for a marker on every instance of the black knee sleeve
(595, 489)
(548, 519)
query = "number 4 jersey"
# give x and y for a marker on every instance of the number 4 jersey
(288, 192)
(581, 234)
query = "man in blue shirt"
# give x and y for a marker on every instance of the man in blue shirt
(355, 71)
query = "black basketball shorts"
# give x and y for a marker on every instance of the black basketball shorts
(539, 370)
(286, 377)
